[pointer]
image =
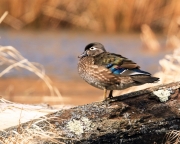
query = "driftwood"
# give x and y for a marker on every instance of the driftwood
(140, 117)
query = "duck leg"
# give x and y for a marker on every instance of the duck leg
(110, 94)
(105, 93)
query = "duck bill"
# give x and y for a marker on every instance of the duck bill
(83, 54)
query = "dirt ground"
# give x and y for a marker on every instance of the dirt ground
(33, 91)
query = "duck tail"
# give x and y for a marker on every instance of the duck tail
(142, 79)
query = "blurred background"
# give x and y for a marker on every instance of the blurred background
(53, 33)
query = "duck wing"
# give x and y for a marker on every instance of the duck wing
(118, 64)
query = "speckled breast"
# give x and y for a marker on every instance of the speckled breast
(89, 72)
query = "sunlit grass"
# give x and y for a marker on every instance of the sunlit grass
(10, 56)
(14, 114)
(96, 15)
(32, 133)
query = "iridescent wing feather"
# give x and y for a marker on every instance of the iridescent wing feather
(119, 65)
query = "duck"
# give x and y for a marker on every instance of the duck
(110, 71)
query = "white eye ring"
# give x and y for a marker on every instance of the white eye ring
(93, 48)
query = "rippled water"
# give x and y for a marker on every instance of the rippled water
(58, 51)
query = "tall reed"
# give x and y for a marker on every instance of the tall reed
(96, 15)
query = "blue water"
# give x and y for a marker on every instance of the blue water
(58, 51)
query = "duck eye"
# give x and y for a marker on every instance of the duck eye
(92, 48)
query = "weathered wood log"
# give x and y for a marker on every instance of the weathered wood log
(139, 117)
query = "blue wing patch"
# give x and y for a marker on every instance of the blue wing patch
(115, 69)
(125, 72)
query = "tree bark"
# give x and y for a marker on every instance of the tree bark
(143, 116)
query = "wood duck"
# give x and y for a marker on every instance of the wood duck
(110, 71)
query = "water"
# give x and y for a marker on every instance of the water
(58, 51)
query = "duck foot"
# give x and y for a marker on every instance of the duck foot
(110, 96)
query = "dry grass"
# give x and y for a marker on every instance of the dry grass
(96, 15)
(3, 16)
(11, 57)
(33, 133)
(149, 40)
(172, 137)
(170, 67)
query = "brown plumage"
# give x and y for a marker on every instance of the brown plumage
(109, 71)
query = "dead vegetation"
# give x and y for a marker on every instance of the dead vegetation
(21, 113)
(32, 134)
(95, 15)
(11, 57)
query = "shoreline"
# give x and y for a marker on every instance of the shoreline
(34, 90)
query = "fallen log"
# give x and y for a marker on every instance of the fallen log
(143, 116)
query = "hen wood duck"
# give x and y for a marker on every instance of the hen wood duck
(110, 71)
